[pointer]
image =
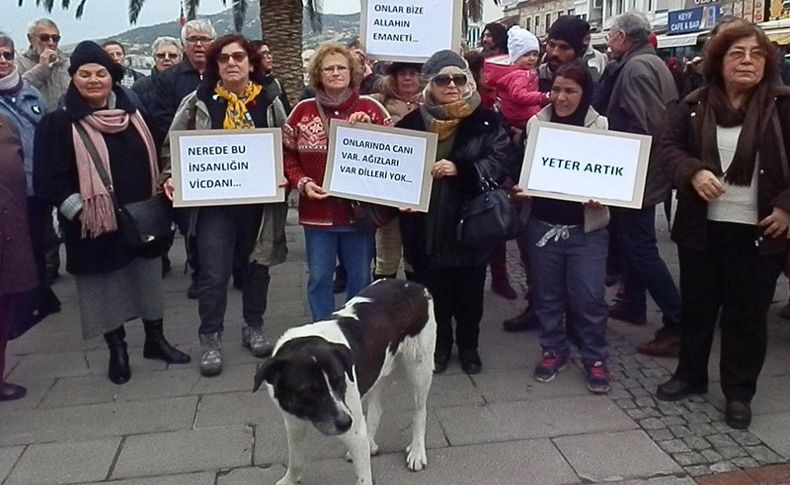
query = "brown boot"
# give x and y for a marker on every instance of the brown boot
(664, 344)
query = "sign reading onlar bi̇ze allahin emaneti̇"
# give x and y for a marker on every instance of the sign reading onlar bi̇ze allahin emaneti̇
(387, 166)
(227, 167)
(580, 164)
(410, 30)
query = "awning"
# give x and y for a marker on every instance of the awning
(670, 41)
(780, 36)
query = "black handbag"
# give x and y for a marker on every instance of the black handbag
(143, 224)
(369, 216)
(489, 218)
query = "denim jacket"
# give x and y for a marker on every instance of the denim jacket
(25, 110)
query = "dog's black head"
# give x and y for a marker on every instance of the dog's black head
(308, 376)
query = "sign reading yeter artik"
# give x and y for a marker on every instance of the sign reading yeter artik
(578, 164)
(227, 167)
(410, 30)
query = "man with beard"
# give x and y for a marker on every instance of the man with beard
(494, 39)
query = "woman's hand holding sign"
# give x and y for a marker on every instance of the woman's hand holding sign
(169, 189)
(518, 193)
(314, 191)
(359, 117)
(444, 168)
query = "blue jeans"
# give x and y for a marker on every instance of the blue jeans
(645, 270)
(569, 274)
(321, 246)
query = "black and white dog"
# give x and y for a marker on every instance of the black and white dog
(319, 373)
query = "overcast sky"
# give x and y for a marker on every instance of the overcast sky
(103, 18)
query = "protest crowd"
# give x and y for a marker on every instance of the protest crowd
(87, 137)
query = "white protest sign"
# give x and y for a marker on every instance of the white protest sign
(410, 30)
(578, 164)
(387, 166)
(227, 167)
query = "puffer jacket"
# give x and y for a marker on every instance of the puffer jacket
(25, 110)
(196, 112)
(429, 239)
(517, 90)
(52, 81)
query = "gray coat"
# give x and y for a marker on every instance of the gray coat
(270, 247)
(638, 104)
(52, 81)
(25, 110)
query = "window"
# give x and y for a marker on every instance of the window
(548, 21)
(537, 24)
(572, 12)
(529, 25)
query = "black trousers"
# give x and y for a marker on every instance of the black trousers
(457, 294)
(731, 283)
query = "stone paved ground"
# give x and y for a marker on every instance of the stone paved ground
(169, 425)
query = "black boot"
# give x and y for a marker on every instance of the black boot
(119, 371)
(156, 347)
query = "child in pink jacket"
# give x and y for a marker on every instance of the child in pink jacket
(515, 78)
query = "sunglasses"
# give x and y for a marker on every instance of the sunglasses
(168, 55)
(7, 55)
(47, 37)
(236, 56)
(444, 81)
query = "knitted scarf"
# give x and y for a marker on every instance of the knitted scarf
(752, 116)
(98, 213)
(443, 119)
(11, 84)
(237, 117)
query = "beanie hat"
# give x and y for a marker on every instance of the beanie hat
(439, 61)
(520, 42)
(396, 67)
(572, 30)
(88, 52)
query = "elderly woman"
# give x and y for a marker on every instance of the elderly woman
(114, 282)
(400, 91)
(471, 141)
(726, 148)
(17, 273)
(24, 106)
(567, 243)
(167, 53)
(231, 97)
(328, 222)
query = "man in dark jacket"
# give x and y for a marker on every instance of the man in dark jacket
(636, 93)
(167, 53)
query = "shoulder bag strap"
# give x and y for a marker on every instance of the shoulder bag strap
(780, 141)
(94, 154)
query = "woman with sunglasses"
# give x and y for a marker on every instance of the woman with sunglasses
(230, 97)
(335, 74)
(471, 141)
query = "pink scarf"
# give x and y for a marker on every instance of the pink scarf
(98, 213)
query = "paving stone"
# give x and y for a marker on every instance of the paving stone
(8, 457)
(673, 421)
(688, 459)
(204, 478)
(96, 420)
(730, 452)
(681, 431)
(712, 456)
(508, 385)
(67, 462)
(660, 434)
(233, 379)
(645, 401)
(763, 454)
(671, 409)
(184, 451)
(723, 467)
(618, 394)
(774, 430)
(626, 403)
(745, 462)
(696, 443)
(745, 438)
(697, 418)
(697, 470)
(630, 383)
(251, 475)
(651, 412)
(658, 481)
(674, 446)
(636, 414)
(721, 440)
(55, 364)
(702, 429)
(612, 456)
(640, 392)
(652, 423)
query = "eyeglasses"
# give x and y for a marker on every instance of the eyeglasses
(332, 69)
(47, 37)
(169, 55)
(199, 40)
(740, 54)
(444, 81)
(238, 56)
(7, 55)
(266, 53)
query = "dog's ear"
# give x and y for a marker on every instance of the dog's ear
(267, 371)
(336, 360)
(344, 355)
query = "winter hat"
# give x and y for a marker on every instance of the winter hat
(396, 67)
(572, 30)
(520, 42)
(88, 52)
(439, 61)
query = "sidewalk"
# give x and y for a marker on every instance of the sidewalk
(170, 426)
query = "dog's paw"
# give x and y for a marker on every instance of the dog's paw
(374, 448)
(416, 458)
(289, 479)
(349, 458)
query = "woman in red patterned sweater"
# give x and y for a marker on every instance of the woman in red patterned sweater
(335, 75)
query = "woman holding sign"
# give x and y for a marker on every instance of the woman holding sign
(231, 97)
(726, 148)
(335, 74)
(568, 244)
(472, 142)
